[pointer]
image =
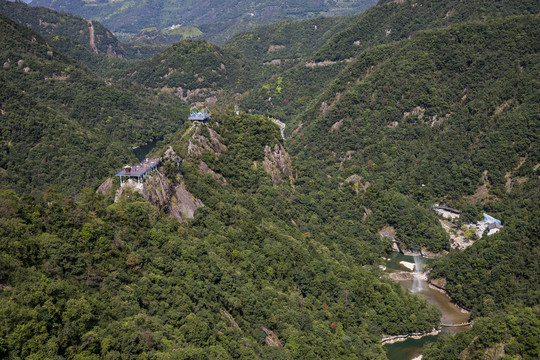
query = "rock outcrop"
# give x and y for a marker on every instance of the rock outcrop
(173, 199)
(200, 143)
(205, 170)
(356, 180)
(277, 163)
(171, 156)
(104, 188)
(390, 232)
(271, 338)
(229, 317)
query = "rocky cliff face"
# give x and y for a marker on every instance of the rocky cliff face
(173, 158)
(173, 199)
(205, 170)
(200, 143)
(104, 188)
(277, 163)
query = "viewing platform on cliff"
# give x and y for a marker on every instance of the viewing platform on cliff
(199, 114)
(138, 171)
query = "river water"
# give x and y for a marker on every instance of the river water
(141, 151)
(451, 314)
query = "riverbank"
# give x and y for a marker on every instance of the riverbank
(442, 290)
(386, 340)
(422, 252)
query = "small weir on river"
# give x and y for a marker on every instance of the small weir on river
(418, 282)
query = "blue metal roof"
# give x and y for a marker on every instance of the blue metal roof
(140, 169)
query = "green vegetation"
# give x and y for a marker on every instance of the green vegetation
(386, 23)
(392, 21)
(287, 39)
(218, 20)
(63, 126)
(186, 32)
(509, 334)
(501, 269)
(48, 22)
(195, 70)
(387, 112)
(205, 288)
(468, 108)
(153, 35)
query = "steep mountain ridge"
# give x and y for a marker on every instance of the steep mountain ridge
(48, 99)
(287, 40)
(392, 21)
(93, 36)
(446, 100)
(195, 71)
(387, 22)
(242, 279)
(282, 259)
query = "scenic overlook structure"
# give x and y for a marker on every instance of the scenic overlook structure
(199, 114)
(138, 171)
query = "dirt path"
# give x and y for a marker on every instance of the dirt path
(92, 36)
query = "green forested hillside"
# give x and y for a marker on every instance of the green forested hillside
(388, 22)
(502, 269)
(219, 19)
(47, 100)
(98, 279)
(392, 21)
(470, 107)
(387, 112)
(195, 70)
(498, 279)
(93, 36)
(287, 39)
(511, 333)
(86, 41)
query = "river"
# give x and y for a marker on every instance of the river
(451, 314)
(141, 151)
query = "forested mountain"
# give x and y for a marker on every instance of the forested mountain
(509, 333)
(218, 20)
(391, 21)
(387, 22)
(287, 40)
(481, 135)
(195, 70)
(432, 116)
(84, 40)
(248, 245)
(60, 123)
(93, 36)
(242, 280)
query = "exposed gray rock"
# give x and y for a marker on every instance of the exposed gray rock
(171, 156)
(173, 199)
(200, 143)
(205, 169)
(217, 145)
(105, 187)
(271, 338)
(356, 180)
(278, 164)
